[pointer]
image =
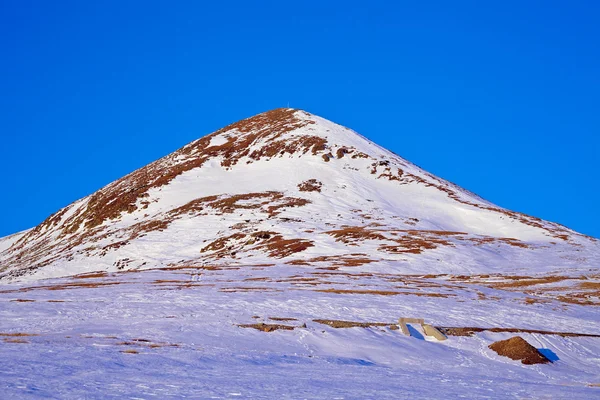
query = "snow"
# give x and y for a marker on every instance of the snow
(201, 352)
(218, 140)
(8, 241)
(178, 309)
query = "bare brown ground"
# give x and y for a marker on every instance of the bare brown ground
(349, 324)
(336, 261)
(589, 285)
(524, 281)
(279, 247)
(582, 299)
(17, 334)
(353, 234)
(383, 292)
(579, 290)
(311, 185)
(65, 286)
(517, 348)
(15, 340)
(470, 331)
(396, 241)
(248, 289)
(274, 244)
(268, 327)
(268, 202)
(90, 275)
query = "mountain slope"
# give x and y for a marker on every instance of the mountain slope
(289, 187)
(273, 259)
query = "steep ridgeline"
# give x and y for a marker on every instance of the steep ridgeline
(289, 187)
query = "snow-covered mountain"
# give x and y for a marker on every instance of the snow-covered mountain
(288, 187)
(273, 259)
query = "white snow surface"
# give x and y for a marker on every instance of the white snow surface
(120, 310)
(175, 334)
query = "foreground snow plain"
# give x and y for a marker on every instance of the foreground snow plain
(176, 333)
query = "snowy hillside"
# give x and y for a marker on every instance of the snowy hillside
(273, 259)
(289, 187)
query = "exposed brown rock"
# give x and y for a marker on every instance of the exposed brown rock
(517, 348)
(311, 185)
(342, 151)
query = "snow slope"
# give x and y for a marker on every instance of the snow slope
(287, 186)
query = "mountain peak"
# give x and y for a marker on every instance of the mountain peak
(286, 186)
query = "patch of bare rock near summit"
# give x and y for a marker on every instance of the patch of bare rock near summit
(517, 348)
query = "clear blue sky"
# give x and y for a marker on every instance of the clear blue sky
(502, 99)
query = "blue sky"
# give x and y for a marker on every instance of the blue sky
(502, 99)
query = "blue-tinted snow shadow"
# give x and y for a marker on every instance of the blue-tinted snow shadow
(415, 333)
(273, 360)
(549, 354)
(350, 361)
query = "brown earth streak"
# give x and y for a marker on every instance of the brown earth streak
(517, 348)
(268, 327)
(89, 275)
(17, 334)
(570, 291)
(409, 241)
(383, 292)
(273, 243)
(269, 202)
(352, 234)
(282, 319)
(415, 243)
(279, 247)
(470, 331)
(349, 324)
(11, 340)
(338, 261)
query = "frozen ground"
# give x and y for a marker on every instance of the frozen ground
(175, 333)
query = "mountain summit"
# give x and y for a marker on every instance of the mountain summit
(288, 187)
